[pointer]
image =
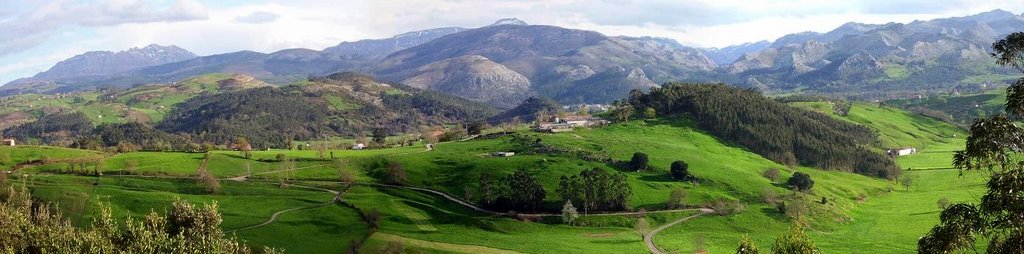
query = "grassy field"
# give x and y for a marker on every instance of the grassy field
(330, 227)
(10, 156)
(426, 223)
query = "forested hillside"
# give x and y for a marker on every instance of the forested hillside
(778, 132)
(344, 104)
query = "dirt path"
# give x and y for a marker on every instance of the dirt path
(649, 237)
(273, 217)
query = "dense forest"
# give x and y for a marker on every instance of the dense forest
(781, 133)
(266, 116)
(57, 129)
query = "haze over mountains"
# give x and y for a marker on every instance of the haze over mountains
(508, 61)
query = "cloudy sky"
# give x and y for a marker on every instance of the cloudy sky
(35, 34)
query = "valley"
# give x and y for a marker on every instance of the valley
(431, 223)
(574, 134)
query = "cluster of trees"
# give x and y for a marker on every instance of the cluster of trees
(134, 136)
(595, 190)
(31, 227)
(778, 132)
(519, 191)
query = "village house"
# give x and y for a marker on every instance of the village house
(504, 154)
(553, 127)
(567, 123)
(901, 151)
(359, 146)
(8, 142)
(582, 121)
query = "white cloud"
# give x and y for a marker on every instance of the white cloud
(258, 17)
(25, 30)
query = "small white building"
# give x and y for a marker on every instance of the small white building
(504, 154)
(8, 142)
(359, 146)
(901, 151)
(906, 151)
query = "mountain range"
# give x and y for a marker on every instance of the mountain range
(508, 61)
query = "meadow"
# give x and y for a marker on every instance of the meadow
(862, 215)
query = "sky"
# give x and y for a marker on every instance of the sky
(36, 34)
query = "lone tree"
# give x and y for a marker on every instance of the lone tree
(993, 147)
(800, 181)
(681, 171)
(569, 213)
(906, 181)
(677, 199)
(380, 135)
(642, 227)
(243, 146)
(475, 127)
(639, 162)
(396, 174)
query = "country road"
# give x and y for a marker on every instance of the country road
(649, 237)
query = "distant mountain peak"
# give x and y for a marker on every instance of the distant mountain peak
(510, 21)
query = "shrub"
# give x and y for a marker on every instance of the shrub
(395, 174)
(681, 171)
(794, 208)
(800, 181)
(185, 228)
(677, 199)
(726, 207)
(769, 196)
(943, 203)
(747, 246)
(772, 174)
(639, 162)
(794, 242)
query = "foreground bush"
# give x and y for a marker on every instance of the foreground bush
(28, 227)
